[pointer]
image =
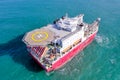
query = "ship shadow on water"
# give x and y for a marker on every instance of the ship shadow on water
(16, 49)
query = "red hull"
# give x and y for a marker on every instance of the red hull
(69, 55)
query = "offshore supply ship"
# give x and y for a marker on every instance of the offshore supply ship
(55, 44)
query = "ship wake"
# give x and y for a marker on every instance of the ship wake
(103, 41)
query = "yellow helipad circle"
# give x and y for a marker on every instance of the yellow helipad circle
(39, 33)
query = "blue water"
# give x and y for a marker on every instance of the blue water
(99, 61)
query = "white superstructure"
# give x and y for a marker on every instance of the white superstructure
(69, 24)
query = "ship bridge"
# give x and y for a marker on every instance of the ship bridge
(69, 24)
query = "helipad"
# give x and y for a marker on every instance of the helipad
(40, 36)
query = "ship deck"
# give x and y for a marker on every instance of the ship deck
(38, 37)
(43, 36)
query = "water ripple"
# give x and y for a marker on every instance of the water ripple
(102, 40)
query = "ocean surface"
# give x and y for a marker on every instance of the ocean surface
(98, 61)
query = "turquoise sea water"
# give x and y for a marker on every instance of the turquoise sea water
(99, 61)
